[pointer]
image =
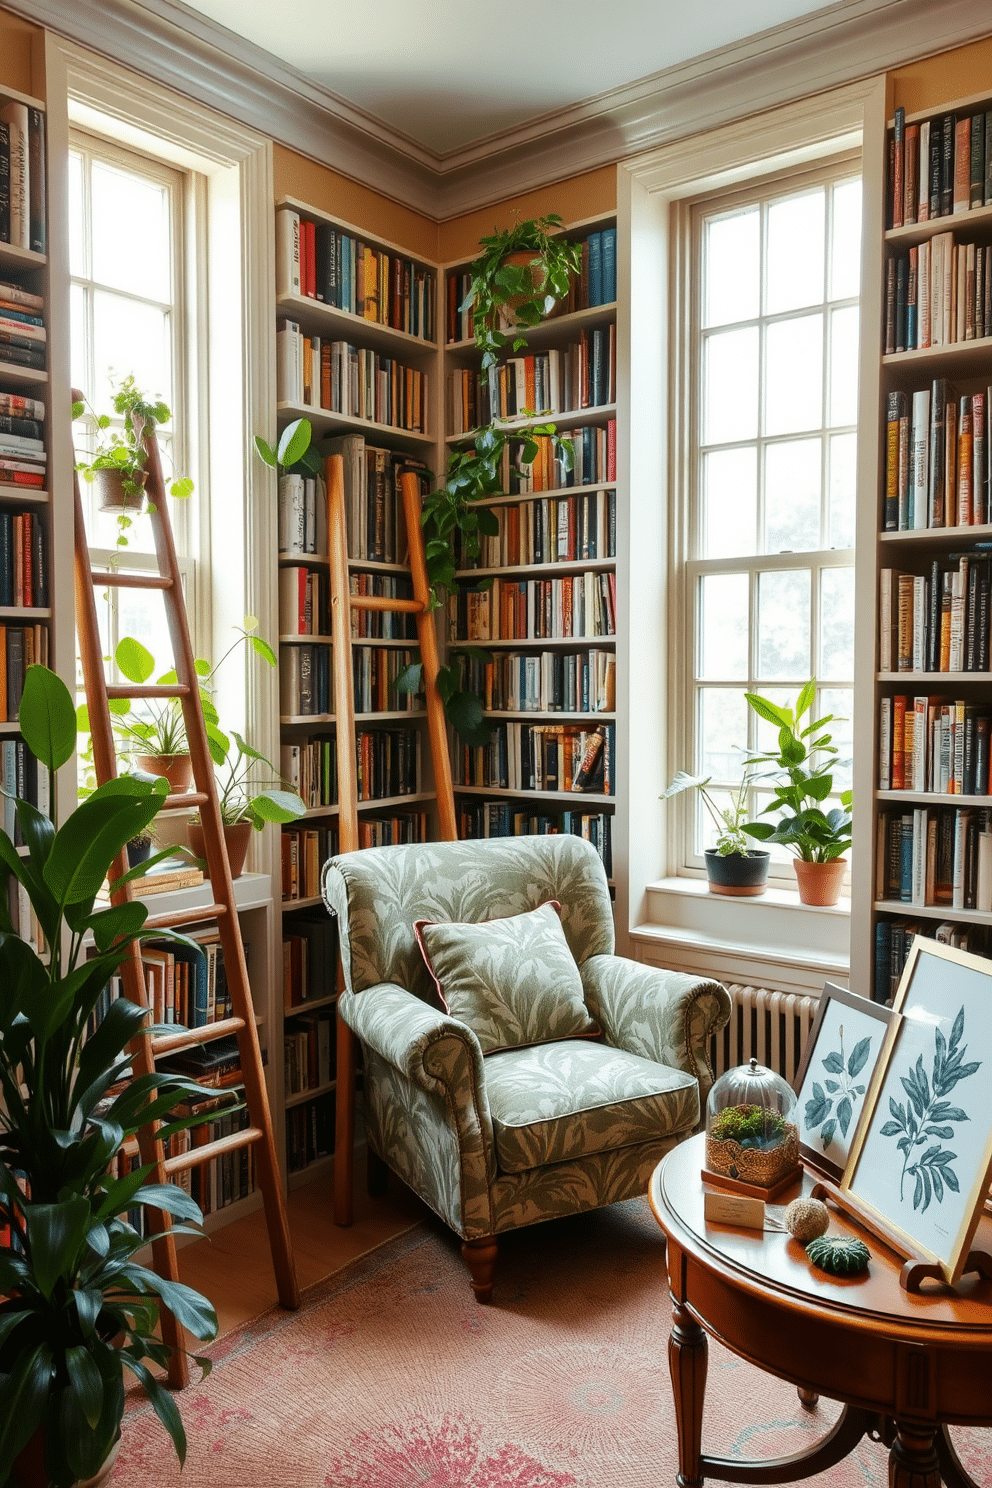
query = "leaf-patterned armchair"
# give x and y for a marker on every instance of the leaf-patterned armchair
(526, 1134)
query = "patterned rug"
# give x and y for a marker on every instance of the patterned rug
(391, 1376)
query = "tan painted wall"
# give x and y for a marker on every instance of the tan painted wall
(573, 199)
(16, 39)
(939, 80)
(319, 186)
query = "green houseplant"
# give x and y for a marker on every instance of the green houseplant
(79, 1309)
(733, 866)
(802, 771)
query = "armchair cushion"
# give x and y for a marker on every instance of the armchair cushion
(560, 1101)
(513, 980)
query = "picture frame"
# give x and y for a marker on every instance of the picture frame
(834, 1075)
(921, 1161)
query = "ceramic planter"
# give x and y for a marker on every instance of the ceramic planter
(738, 874)
(177, 769)
(237, 838)
(819, 883)
(507, 312)
(111, 495)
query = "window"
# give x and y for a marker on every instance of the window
(773, 381)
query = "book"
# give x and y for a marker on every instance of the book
(15, 116)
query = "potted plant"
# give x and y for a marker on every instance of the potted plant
(246, 804)
(733, 866)
(116, 465)
(79, 1309)
(517, 281)
(139, 849)
(803, 766)
(154, 736)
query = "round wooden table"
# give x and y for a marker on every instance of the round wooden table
(904, 1365)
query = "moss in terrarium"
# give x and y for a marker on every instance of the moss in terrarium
(750, 1126)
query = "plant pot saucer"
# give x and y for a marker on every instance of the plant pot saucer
(754, 1190)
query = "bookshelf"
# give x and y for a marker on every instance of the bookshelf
(924, 812)
(396, 787)
(548, 619)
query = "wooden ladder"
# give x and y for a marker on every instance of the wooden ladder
(144, 1049)
(343, 602)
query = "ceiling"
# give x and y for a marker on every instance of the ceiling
(446, 75)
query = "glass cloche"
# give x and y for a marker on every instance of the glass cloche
(751, 1134)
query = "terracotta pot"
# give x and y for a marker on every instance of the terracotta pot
(29, 1465)
(507, 317)
(111, 495)
(237, 839)
(177, 769)
(819, 883)
(737, 874)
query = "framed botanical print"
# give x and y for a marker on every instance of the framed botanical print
(835, 1073)
(922, 1158)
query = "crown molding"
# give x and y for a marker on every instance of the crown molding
(167, 41)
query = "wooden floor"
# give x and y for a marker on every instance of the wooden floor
(233, 1267)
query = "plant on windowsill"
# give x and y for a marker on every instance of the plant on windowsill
(116, 467)
(733, 866)
(803, 766)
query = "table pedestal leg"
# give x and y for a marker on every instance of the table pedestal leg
(913, 1457)
(687, 1352)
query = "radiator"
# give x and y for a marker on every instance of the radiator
(770, 1026)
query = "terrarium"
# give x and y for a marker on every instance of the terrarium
(752, 1140)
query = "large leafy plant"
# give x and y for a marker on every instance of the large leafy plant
(80, 1308)
(529, 289)
(802, 772)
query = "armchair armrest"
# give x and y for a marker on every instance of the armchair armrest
(667, 1016)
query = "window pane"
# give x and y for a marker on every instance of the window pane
(730, 502)
(794, 375)
(723, 603)
(781, 856)
(77, 249)
(843, 366)
(794, 256)
(723, 732)
(78, 360)
(839, 701)
(130, 337)
(836, 624)
(845, 246)
(131, 241)
(142, 614)
(842, 459)
(792, 496)
(730, 386)
(783, 625)
(733, 278)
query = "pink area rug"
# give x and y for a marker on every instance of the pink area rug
(391, 1376)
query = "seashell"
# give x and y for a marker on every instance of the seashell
(806, 1220)
(839, 1255)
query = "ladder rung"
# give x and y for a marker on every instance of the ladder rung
(127, 580)
(197, 1155)
(387, 605)
(188, 1038)
(133, 690)
(184, 802)
(185, 917)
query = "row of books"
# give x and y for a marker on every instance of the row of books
(936, 623)
(305, 685)
(939, 167)
(302, 513)
(311, 768)
(593, 451)
(23, 560)
(373, 498)
(581, 375)
(541, 757)
(595, 284)
(382, 625)
(216, 1064)
(937, 459)
(304, 601)
(933, 744)
(894, 938)
(392, 831)
(22, 176)
(935, 855)
(345, 273)
(309, 1132)
(304, 851)
(937, 294)
(535, 609)
(20, 647)
(543, 681)
(353, 381)
(184, 986)
(304, 605)
(24, 343)
(562, 529)
(21, 776)
(309, 957)
(20, 415)
(374, 673)
(308, 1052)
(502, 819)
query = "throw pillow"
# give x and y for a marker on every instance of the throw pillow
(514, 981)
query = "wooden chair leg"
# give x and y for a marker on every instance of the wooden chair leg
(376, 1174)
(480, 1257)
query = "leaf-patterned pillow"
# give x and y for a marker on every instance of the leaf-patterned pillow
(514, 981)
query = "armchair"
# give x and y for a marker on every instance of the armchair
(524, 1134)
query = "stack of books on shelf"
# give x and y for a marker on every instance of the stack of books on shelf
(375, 670)
(938, 168)
(305, 689)
(373, 499)
(596, 284)
(563, 529)
(311, 768)
(501, 819)
(308, 1052)
(23, 343)
(391, 831)
(23, 461)
(543, 681)
(22, 176)
(20, 776)
(933, 744)
(304, 850)
(167, 876)
(388, 763)
(302, 513)
(594, 461)
(185, 987)
(541, 757)
(937, 462)
(23, 560)
(938, 294)
(581, 375)
(535, 609)
(382, 625)
(216, 1064)
(309, 1132)
(323, 262)
(21, 646)
(894, 939)
(936, 856)
(353, 381)
(309, 951)
(304, 601)
(937, 622)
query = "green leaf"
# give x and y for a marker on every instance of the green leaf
(465, 714)
(294, 441)
(770, 712)
(24, 1400)
(805, 702)
(278, 806)
(161, 1401)
(134, 660)
(47, 717)
(55, 1235)
(265, 452)
(409, 679)
(262, 649)
(121, 922)
(86, 1383)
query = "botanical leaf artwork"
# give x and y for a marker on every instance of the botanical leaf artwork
(928, 1115)
(833, 1102)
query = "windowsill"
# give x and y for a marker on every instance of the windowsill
(781, 898)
